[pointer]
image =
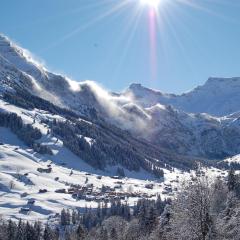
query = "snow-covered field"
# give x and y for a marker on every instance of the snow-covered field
(20, 180)
(18, 175)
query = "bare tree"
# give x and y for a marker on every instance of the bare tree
(11, 184)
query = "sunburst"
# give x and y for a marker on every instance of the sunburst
(152, 3)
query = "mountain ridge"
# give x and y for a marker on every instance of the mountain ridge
(162, 119)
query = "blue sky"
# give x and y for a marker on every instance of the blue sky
(110, 44)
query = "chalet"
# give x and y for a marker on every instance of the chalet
(89, 198)
(90, 185)
(61, 190)
(25, 210)
(44, 170)
(167, 184)
(149, 186)
(164, 192)
(120, 182)
(116, 177)
(24, 194)
(31, 201)
(71, 190)
(100, 199)
(42, 190)
(168, 189)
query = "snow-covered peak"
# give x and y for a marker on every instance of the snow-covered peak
(218, 96)
(146, 97)
(213, 85)
(21, 58)
(4, 41)
(139, 90)
(217, 80)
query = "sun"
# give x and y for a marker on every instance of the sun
(151, 3)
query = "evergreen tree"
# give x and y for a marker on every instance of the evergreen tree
(11, 229)
(232, 181)
(113, 234)
(80, 232)
(64, 218)
(48, 233)
(37, 231)
(74, 217)
(29, 232)
(20, 230)
(103, 235)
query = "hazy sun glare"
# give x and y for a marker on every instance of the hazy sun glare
(151, 3)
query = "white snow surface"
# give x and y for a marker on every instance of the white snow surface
(17, 160)
(18, 174)
(138, 109)
(218, 96)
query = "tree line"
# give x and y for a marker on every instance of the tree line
(204, 209)
(25, 132)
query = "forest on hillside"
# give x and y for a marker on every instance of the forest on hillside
(205, 209)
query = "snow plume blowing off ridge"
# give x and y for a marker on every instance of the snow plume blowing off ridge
(120, 109)
(114, 107)
(16, 52)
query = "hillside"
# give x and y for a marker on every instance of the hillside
(217, 97)
(59, 137)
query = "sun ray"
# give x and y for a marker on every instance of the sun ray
(152, 3)
(130, 33)
(153, 42)
(113, 10)
(160, 13)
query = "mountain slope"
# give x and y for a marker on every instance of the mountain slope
(155, 130)
(218, 97)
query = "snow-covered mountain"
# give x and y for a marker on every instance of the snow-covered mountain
(180, 124)
(27, 84)
(218, 97)
(84, 133)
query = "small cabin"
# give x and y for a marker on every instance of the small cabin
(42, 190)
(44, 170)
(116, 177)
(31, 201)
(24, 194)
(149, 186)
(72, 190)
(62, 190)
(25, 210)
